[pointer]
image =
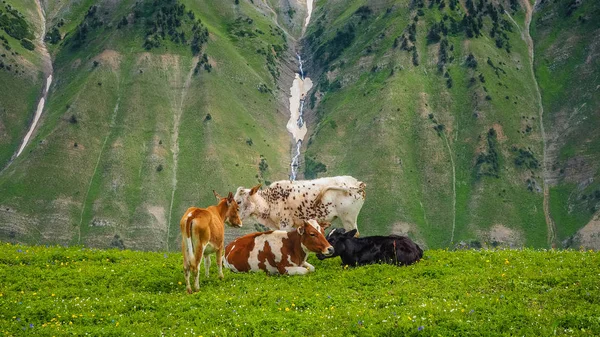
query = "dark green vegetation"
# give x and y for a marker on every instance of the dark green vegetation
(567, 65)
(432, 103)
(14, 23)
(58, 291)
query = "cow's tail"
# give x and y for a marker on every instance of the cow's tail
(187, 238)
(360, 189)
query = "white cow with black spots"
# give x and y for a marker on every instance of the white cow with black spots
(287, 204)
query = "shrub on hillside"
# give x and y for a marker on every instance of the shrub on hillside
(27, 44)
(312, 168)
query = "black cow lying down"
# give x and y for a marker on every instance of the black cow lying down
(393, 249)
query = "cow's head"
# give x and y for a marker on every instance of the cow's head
(324, 225)
(313, 239)
(232, 217)
(338, 238)
(244, 198)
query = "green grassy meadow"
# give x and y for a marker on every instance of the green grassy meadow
(54, 291)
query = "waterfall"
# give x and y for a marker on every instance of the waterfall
(298, 91)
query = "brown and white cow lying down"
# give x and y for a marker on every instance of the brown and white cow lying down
(202, 234)
(287, 204)
(278, 252)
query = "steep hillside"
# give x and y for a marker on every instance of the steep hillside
(153, 105)
(471, 121)
(567, 64)
(432, 104)
(22, 72)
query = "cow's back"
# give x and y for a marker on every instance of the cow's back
(300, 200)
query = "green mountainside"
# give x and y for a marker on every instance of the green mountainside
(567, 65)
(471, 122)
(440, 111)
(154, 104)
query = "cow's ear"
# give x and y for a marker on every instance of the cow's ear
(351, 233)
(230, 197)
(325, 224)
(240, 191)
(300, 230)
(217, 195)
(254, 189)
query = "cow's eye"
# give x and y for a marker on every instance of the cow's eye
(239, 202)
(313, 234)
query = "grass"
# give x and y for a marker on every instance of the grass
(48, 291)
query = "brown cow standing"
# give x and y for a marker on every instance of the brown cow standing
(202, 234)
(277, 252)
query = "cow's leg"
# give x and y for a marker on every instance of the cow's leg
(186, 267)
(349, 222)
(296, 270)
(206, 264)
(199, 253)
(308, 266)
(220, 262)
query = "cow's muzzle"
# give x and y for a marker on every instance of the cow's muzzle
(232, 224)
(329, 252)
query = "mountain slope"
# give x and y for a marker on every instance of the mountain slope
(472, 122)
(21, 72)
(568, 65)
(136, 129)
(437, 104)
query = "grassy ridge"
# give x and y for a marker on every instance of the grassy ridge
(48, 291)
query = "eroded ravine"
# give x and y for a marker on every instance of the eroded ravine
(178, 111)
(527, 37)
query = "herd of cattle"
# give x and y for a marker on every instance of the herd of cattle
(298, 212)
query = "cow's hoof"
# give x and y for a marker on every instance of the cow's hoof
(189, 291)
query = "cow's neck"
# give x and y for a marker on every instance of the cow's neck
(222, 209)
(262, 206)
(297, 247)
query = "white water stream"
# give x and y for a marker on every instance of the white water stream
(38, 113)
(46, 55)
(298, 91)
